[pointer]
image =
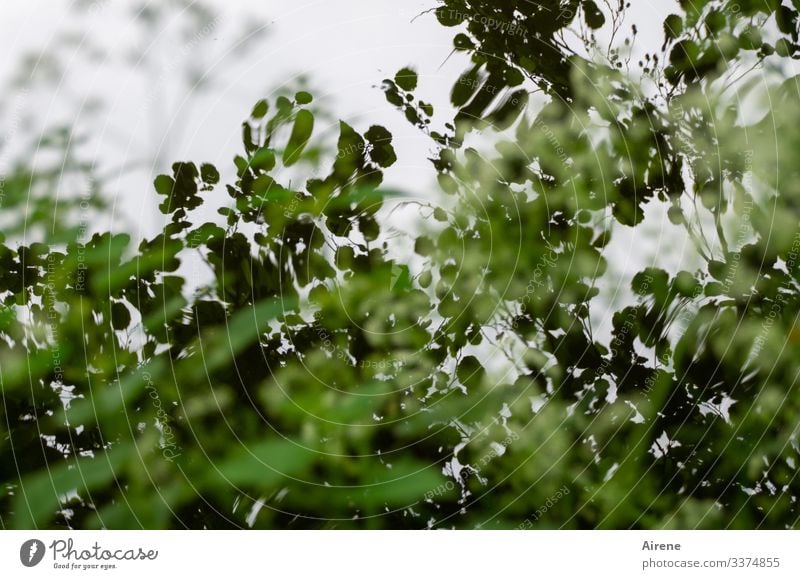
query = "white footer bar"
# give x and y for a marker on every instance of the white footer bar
(402, 554)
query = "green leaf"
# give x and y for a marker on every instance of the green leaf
(301, 133)
(448, 16)
(673, 26)
(717, 269)
(209, 174)
(406, 79)
(164, 184)
(263, 465)
(593, 15)
(110, 399)
(404, 484)
(263, 159)
(786, 19)
(465, 87)
(381, 151)
(363, 195)
(245, 327)
(508, 110)
(424, 246)
(463, 42)
(715, 21)
(120, 316)
(303, 98)
(260, 110)
(41, 494)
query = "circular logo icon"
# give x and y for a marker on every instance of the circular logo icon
(32, 552)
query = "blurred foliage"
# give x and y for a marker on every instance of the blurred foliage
(312, 379)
